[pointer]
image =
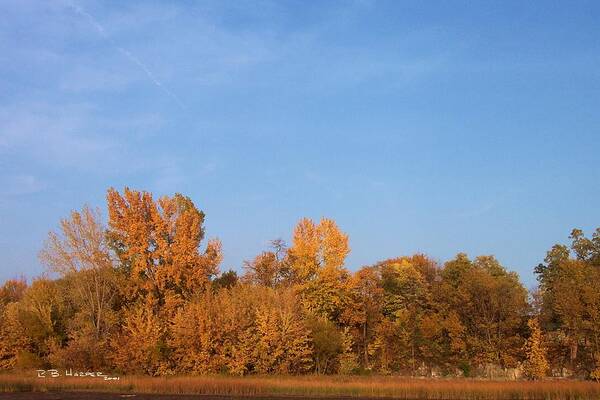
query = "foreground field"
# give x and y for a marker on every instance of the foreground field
(306, 387)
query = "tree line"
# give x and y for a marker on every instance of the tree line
(142, 293)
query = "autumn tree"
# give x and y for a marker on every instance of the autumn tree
(246, 329)
(316, 247)
(317, 260)
(348, 359)
(490, 303)
(38, 322)
(143, 295)
(216, 331)
(327, 341)
(586, 249)
(393, 298)
(406, 301)
(199, 332)
(535, 365)
(11, 292)
(270, 268)
(500, 302)
(284, 344)
(141, 345)
(158, 247)
(570, 311)
(364, 310)
(226, 280)
(443, 341)
(80, 255)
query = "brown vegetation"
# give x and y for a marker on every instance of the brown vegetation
(317, 386)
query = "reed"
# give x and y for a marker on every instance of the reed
(316, 386)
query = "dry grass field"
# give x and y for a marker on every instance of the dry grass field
(313, 387)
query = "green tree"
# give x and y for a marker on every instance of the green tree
(490, 303)
(364, 310)
(570, 303)
(327, 344)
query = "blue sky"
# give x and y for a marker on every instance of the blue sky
(433, 127)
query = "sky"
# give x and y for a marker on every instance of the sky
(435, 127)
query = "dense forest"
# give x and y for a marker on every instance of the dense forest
(142, 293)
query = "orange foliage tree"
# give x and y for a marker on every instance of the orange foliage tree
(157, 243)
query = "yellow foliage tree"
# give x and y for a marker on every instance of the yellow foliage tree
(595, 374)
(141, 345)
(317, 257)
(11, 340)
(13, 336)
(348, 359)
(382, 349)
(283, 340)
(241, 330)
(317, 246)
(535, 365)
(79, 253)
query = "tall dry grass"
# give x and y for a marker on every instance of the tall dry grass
(316, 386)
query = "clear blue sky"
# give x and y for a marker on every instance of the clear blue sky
(433, 127)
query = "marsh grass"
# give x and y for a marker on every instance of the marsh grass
(316, 386)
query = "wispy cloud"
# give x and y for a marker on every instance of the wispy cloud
(171, 174)
(66, 136)
(128, 54)
(52, 134)
(477, 212)
(21, 184)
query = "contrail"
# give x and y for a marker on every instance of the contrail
(150, 75)
(90, 19)
(130, 56)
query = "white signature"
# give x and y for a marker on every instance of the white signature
(54, 373)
